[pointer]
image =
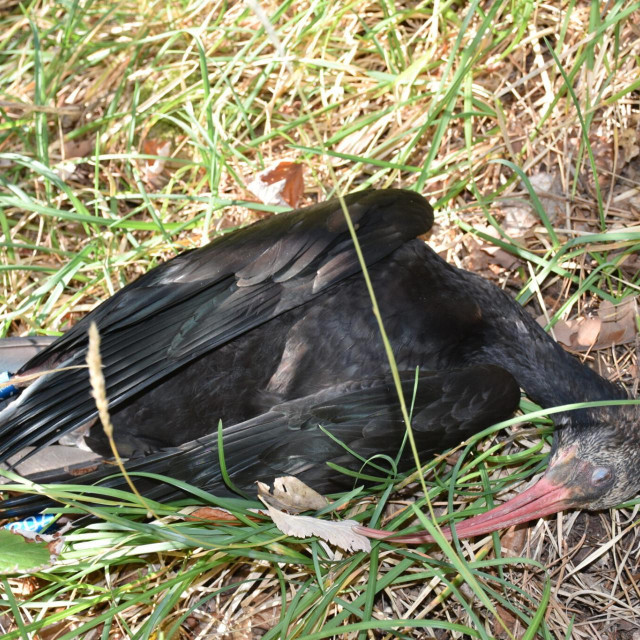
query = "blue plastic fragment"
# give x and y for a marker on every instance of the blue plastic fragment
(36, 524)
(9, 390)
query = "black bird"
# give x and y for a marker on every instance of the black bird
(270, 330)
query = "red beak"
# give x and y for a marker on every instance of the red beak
(542, 499)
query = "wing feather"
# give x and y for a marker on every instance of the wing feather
(363, 415)
(201, 300)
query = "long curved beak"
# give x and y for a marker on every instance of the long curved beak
(542, 499)
(555, 491)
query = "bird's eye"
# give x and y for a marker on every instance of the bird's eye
(601, 475)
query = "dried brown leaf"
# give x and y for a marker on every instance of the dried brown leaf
(514, 540)
(588, 332)
(508, 619)
(152, 169)
(614, 324)
(212, 514)
(291, 494)
(79, 148)
(618, 322)
(628, 145)
(282, 184)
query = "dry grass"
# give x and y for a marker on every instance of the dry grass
(464, 102)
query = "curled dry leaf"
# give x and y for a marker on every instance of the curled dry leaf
(281, 184)
(291, 494)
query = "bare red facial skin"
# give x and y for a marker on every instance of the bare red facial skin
(542, 499)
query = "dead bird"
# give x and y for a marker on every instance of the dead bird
(269, 330)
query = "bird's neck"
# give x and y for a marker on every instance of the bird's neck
(546, 372)
(552, 377)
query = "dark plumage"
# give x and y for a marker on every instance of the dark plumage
(270, 330)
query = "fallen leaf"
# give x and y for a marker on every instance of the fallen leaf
(79, 148)
(212, 514)
(501, 257)
(630, 263)
(340, 534)
(513, 541)
(282, 184)
(562, 330)
(357, 142)
(518, 220)
(17, 555)
(614, 324)
(628, 145)
(152, 169)
(24, 587)
(65, 169)
(548, 188)
(497, 254)
(618, 322)
(588, 332)
(602, 149)
(508, 619)
(291, 494)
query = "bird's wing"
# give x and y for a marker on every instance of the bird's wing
(204, 298)
(362, 417)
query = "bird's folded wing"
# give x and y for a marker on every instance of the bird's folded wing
(204, 298)
(348, 425)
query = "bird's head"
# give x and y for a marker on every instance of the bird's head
(596, 455)
(594, 464)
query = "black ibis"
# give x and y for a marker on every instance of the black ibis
(270, 330)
